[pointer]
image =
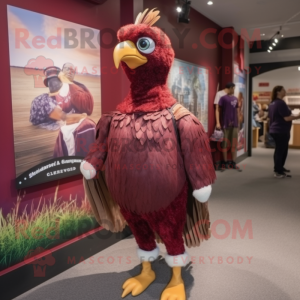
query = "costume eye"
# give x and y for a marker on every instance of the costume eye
(145, 45)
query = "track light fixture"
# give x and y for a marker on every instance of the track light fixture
(183, 11)
(273, 41)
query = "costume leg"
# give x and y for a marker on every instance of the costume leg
(169, 224)
(141, 230)
(147, 252)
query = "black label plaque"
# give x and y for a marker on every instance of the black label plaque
(51, 170)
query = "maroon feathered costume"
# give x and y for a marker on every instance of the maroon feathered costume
(79, 99)
(148, 168)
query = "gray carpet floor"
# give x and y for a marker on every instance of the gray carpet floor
(265, 265)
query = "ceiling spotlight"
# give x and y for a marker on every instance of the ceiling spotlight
(276, 41)
(210, 3)
(269, 51)
(262, 34)
(282, 35)
(271, 48)
(179, 9)
(298, 68)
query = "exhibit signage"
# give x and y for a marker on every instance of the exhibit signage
(53, 169)
(264, 84)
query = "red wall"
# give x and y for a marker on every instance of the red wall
(82, 12)
(201, 55)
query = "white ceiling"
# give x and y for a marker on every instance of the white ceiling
(280, 74)
(275, 56)
(266, 15)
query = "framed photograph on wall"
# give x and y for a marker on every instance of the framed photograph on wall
(240, 80)
(189, 86)
(56, 94)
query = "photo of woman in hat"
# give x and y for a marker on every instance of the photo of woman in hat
(65, 107)
(65, 102)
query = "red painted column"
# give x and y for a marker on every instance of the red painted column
(227, 43)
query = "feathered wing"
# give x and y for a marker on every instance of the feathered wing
(81, 99)
(105, 209)
(200, 173)
(196, 152)
(98, 150)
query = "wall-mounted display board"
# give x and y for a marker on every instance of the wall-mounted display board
(56, 94)
(240, 80)
(189, 86)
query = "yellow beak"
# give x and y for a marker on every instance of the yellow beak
(127, 52)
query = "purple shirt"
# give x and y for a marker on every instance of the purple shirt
(229, 105)
(278, 110)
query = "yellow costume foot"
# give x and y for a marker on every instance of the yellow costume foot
(175, 290)
(136, 285)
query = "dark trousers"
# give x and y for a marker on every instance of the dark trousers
(281, 150)
(261, 129)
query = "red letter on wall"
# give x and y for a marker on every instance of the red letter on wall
(22, 39)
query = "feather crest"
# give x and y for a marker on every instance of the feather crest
(149, 18)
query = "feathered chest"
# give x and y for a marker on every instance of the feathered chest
(142, 132)
(144, 167)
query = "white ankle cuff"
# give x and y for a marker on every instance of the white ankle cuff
(148, 255)
(177, 260)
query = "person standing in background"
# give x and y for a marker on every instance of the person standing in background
(228, 110)
(219, 95)
(280, 126)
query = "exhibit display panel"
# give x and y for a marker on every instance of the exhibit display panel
(240, 80)
(189, 86)
(56, 94)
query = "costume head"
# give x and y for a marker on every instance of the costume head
(145, 52)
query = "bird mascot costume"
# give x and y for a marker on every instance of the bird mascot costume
(151, 166)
